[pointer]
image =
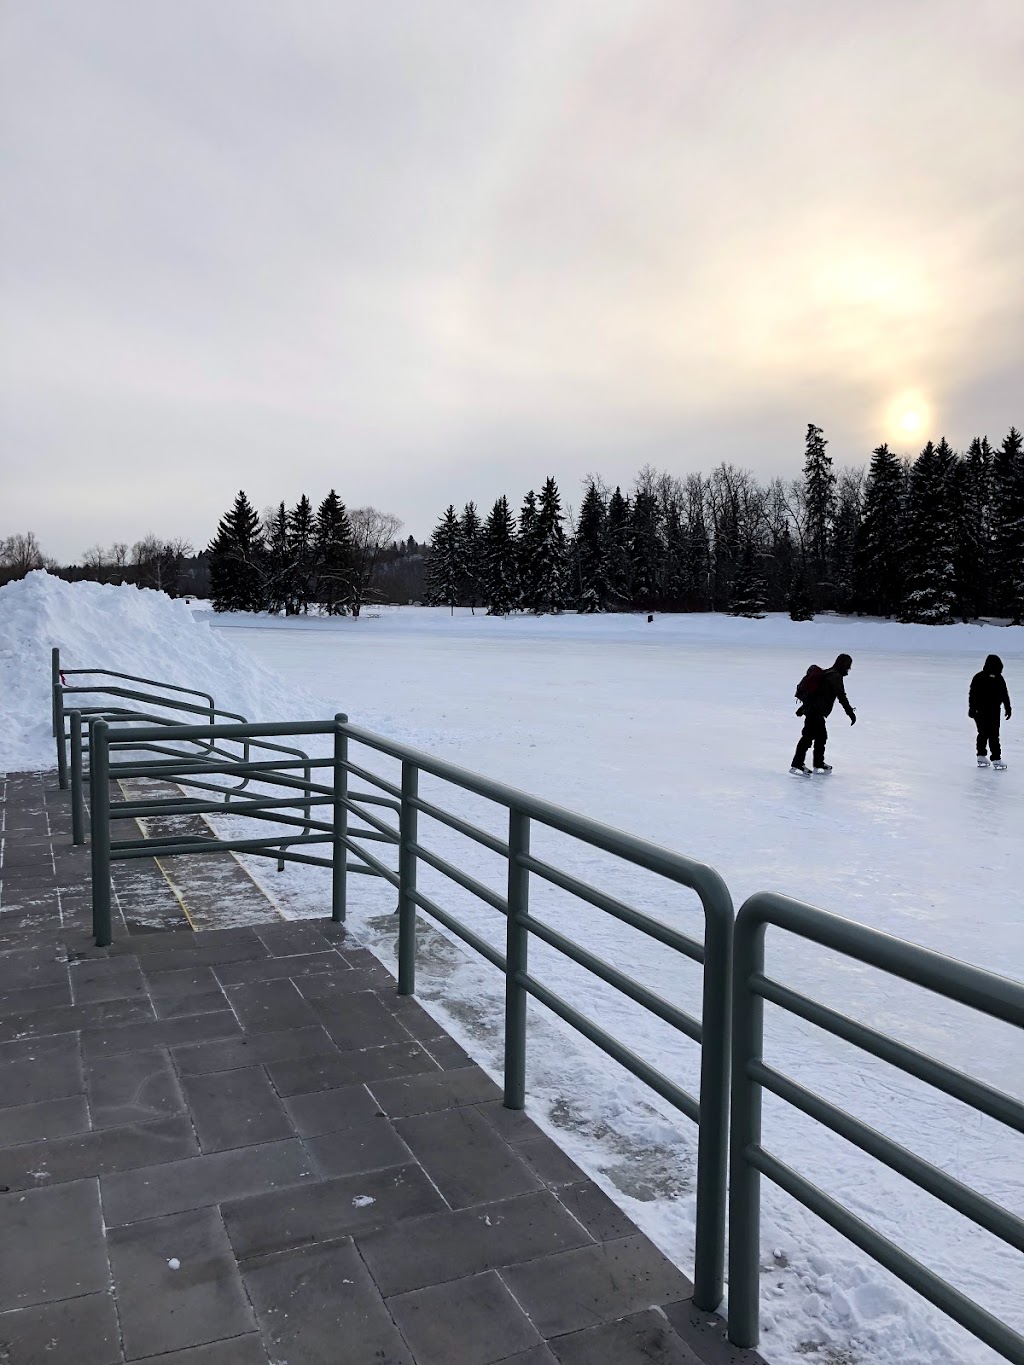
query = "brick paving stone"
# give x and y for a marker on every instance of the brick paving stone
(266, 1223)
(317, 1305)
(443, 1246)
(601, 1216)
(348, 1068)
(46, 1119)
(98, 1043)
(464, 1157)
(46, 1073)
(80, 1331)
(64, 1159)
(322, 961)
(181, 981)
(331, 1111)
(290, 938)
(133, 1087)
(423, 1094)
(247, 1350)
(642, 1339)
(235, 1109)
(365, 1145)
(575, 1289)
(117, 978)
(72, 1018)
(52, 1245)
(253, 1049)
(270, 1006)
(192, 1002)
(165, 1308)
(475, 1321)
(705, 1334)
(34, 998)
(175, 1186)
(358, 1020)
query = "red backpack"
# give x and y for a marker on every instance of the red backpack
(808, 684)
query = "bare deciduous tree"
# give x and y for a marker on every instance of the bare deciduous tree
(20, 554)
(372, 532)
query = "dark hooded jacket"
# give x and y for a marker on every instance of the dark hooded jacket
(988, 691)
(832, 689)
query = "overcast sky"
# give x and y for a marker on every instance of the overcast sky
(435, 250)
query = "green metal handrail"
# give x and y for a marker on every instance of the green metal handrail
(711, 1031)
(995, 996)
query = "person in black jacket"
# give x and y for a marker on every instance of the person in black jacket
(830, 689)
(987, 695)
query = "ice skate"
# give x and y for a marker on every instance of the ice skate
(798, 770)
(999, 764)
(982, 761)
(822, 769)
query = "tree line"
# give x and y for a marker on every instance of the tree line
(295, 558)
(932, 539)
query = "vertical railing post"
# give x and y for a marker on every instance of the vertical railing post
(54, 682)
(713, 1133)
(77, 803)
(99, 800)
(62, 749)
(744, 1177)
(516, 956)
(339, 850)
(407, 836)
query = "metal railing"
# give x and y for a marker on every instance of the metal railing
(991, 995)
(710, 1031)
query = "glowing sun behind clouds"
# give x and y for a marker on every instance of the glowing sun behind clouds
(907, 418)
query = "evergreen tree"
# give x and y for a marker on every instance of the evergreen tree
(444, 566)
(799, 603)
(676, 555)
(845, 535)
(280, 587)
(931, 594)
(970, 528)
(820, 504)
(591, 580)
(335, 554)
(880, 554)
(471, 542)
(552, 581)
(500, 555)
(646, 548)
(528, 546)
(620, 570)
(301, 543)
(237, 560)
(748, 586)
(1008, 526)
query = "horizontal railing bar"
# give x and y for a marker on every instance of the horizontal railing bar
(698, 876)
(997, 996)
(386, 830)
(369, 799)
(198, 765)
(369, 776)
(380, 869)
(443, 817)
(372, 834)
(188, 805)
(653, 928)
(643, 1071)
(966, 1201)
(496, 958)
(163, 845)
(967, 1089)
(129, 694)
(245, 730)
(650, 1000)
(134, 677)
(463, 879)
(900, 1263)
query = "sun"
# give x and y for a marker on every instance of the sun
(907, 417)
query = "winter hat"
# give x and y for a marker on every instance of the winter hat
(993, 664)
(843, 662)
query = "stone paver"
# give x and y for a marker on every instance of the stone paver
(238, 1146)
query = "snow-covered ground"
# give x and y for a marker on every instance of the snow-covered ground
(681, 731)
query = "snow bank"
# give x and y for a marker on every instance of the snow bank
(130, 630)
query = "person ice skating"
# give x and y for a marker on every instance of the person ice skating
(988, 695)
(828, 688)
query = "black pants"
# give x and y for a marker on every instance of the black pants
(814, 732)
(988, 735)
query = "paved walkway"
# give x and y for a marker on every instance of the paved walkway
(240, 1146)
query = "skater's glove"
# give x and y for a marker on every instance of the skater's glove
(853, 717)
(1009, 713)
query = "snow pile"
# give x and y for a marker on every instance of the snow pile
(127, 629)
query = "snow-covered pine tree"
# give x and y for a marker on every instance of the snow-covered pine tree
(845, 534)
(501, 561)
(931, 594)
(552, 581)
(970, 525)
(301, 543)
(620, 568)
(798, 602)
(280, 586)
(880, 554)
(675, 563)
(528, 547)
(444, 562)
(471, 533)
(646, 547)
(335, 556)
(697, 594)
(237, 560)
(1008, 526)
(748, 585)
(590, 553)
(820, 506)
